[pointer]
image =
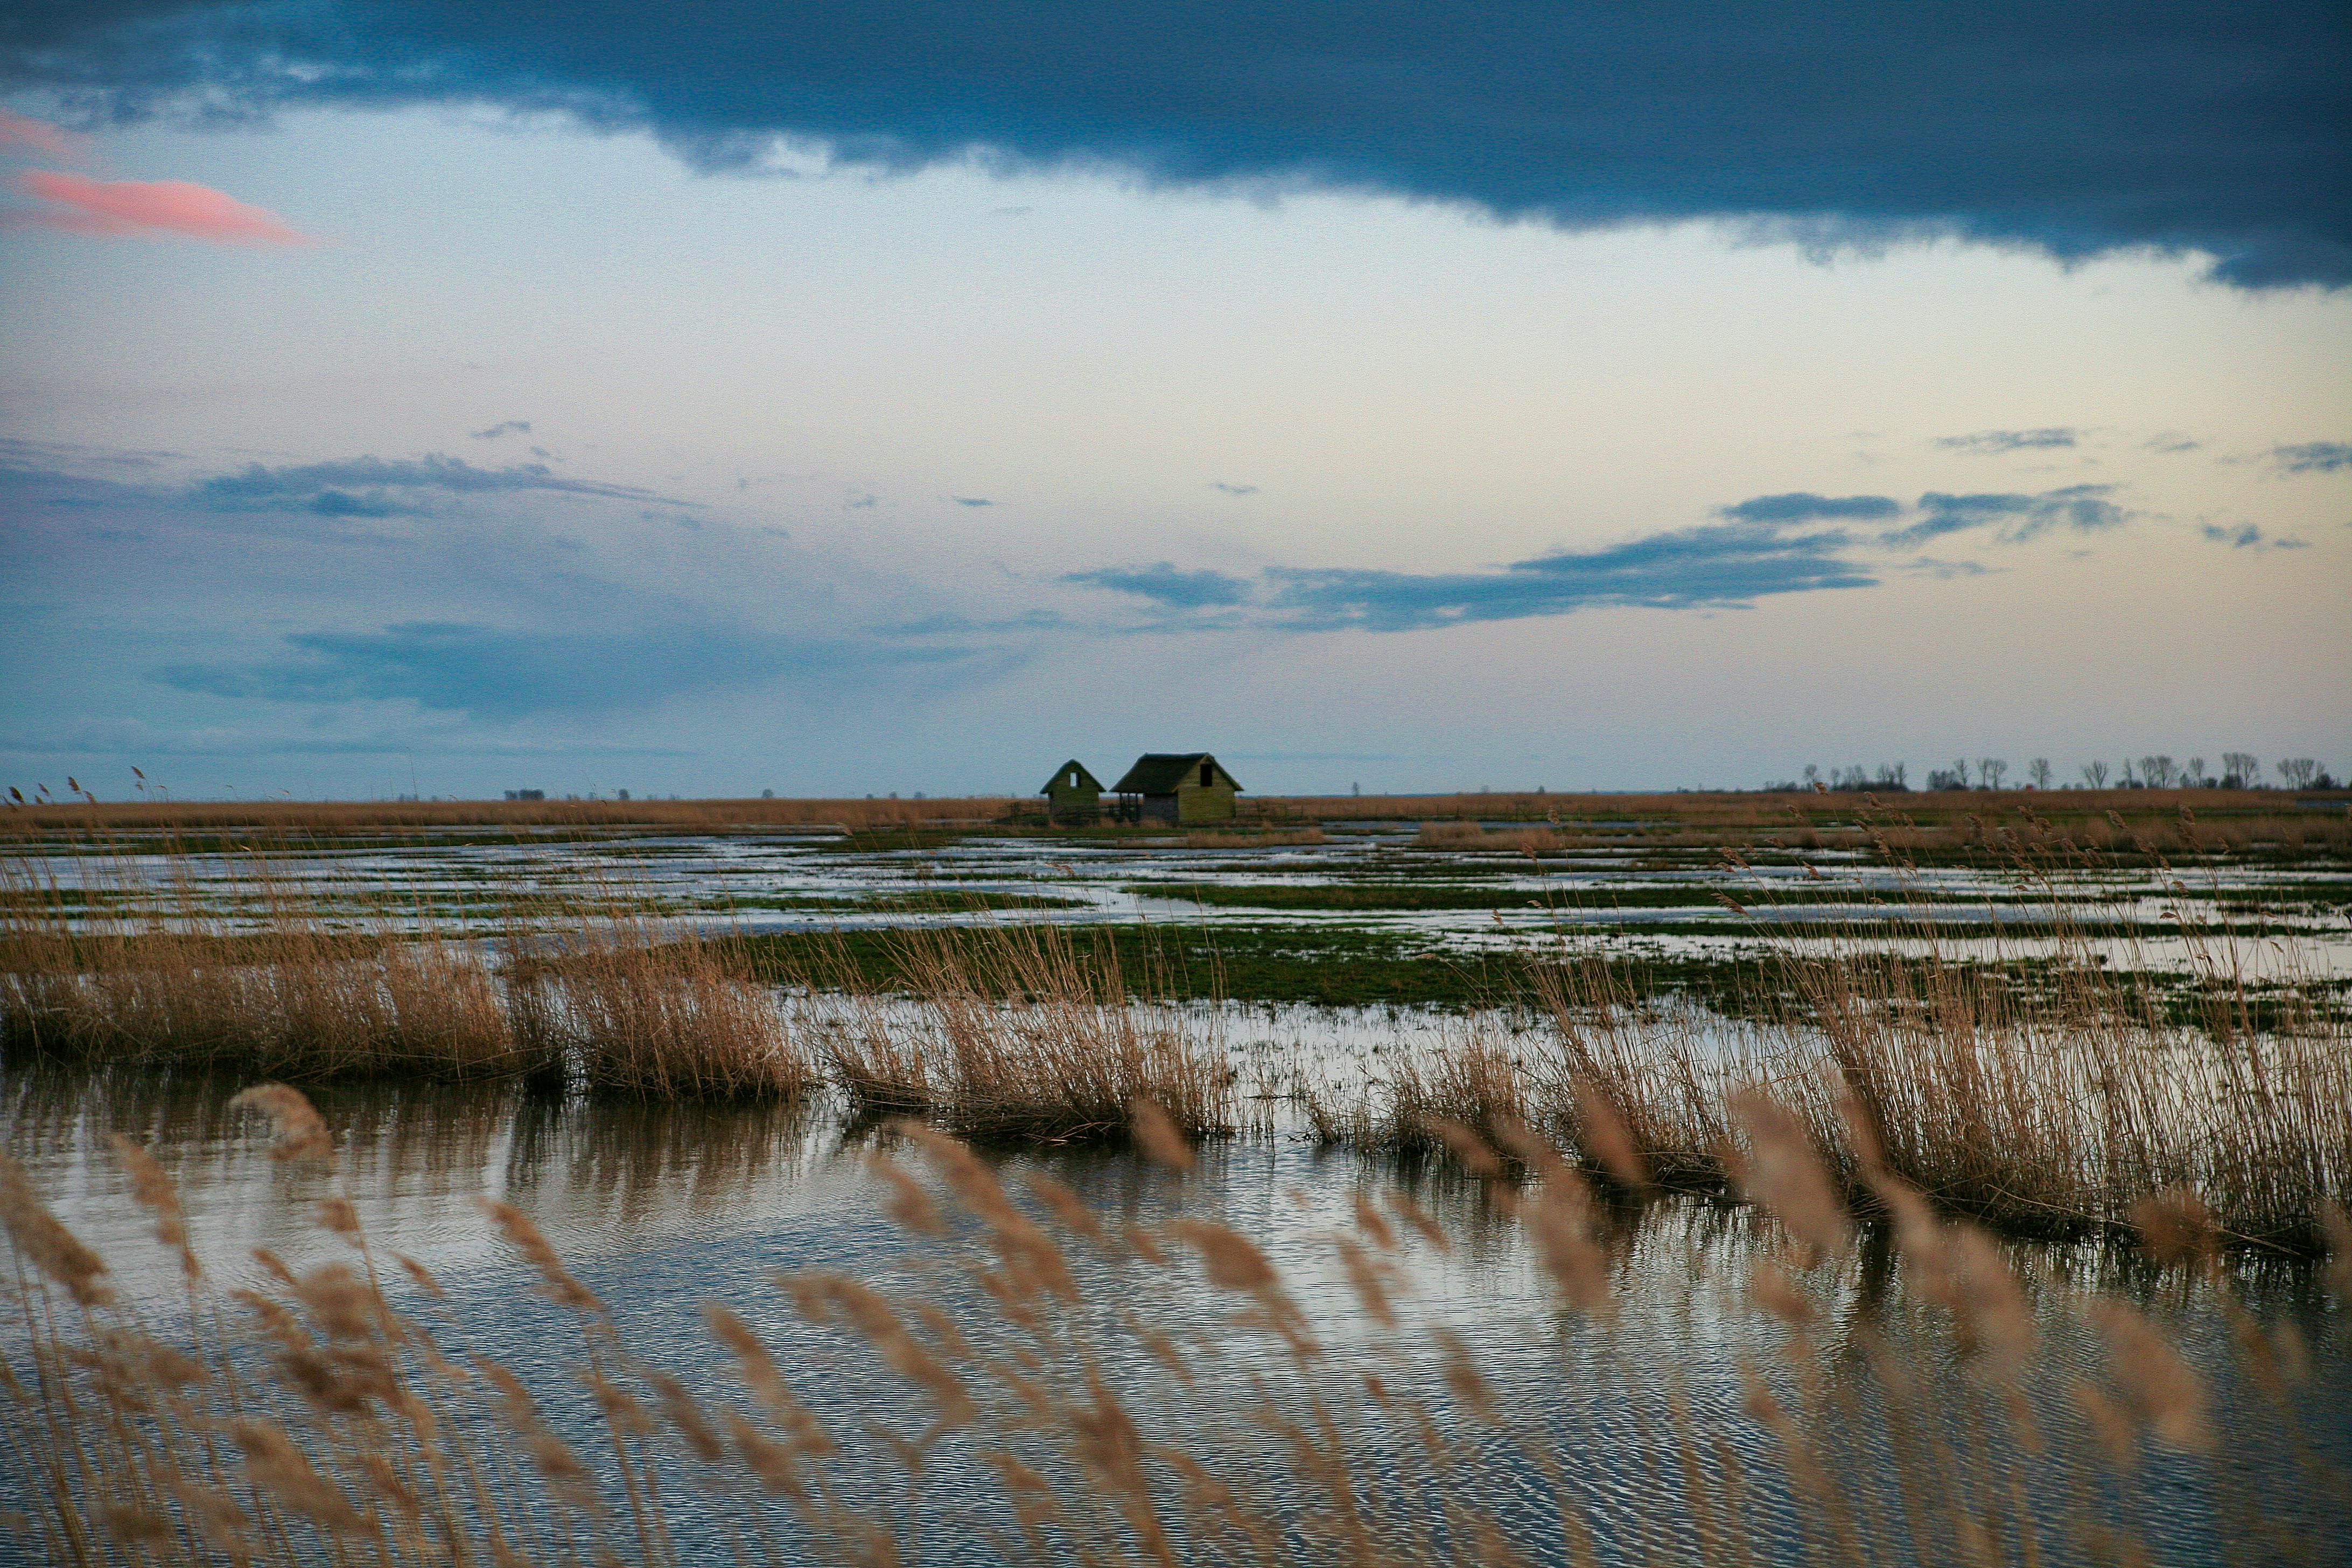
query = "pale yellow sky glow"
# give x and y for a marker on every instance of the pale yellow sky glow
(826, 371)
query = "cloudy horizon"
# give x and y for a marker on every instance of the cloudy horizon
(408, 397)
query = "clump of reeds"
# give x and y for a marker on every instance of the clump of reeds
(1264, 838)
(652, 1019)
(1477, 836)
(1017, 1031)
(2042, 1107)
(141, 971)
(1471, 1079)
(152, 975)
(1080, 1405)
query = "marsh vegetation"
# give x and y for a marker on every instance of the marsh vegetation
(1845, 1176)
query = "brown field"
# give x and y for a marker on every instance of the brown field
(327, 817)
(2144, 822)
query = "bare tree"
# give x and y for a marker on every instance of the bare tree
(2298, 772)
(2095, 774)
(2193, 775)
(2038, 770)
(1958, 772)
(2242, 770)
(2156, 772)
(1989, 771)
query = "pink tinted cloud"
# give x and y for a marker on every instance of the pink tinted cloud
(148, 207)
(23, 131)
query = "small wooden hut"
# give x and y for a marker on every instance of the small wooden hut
(1180, 787)
(1072, 794)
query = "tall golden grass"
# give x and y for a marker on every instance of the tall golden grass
(145, 970)
(1019, 1031)
(1477, 836)
(2041, 1087)
(149, 972)
(2045, 1105)
(653, 1015)
(1004, 1033)
(2142, 822)
(320, 1419)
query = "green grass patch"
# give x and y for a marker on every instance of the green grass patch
(1411, 896)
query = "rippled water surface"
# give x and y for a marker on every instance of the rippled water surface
(661, 1208)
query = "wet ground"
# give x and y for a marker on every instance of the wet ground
(2282, 917)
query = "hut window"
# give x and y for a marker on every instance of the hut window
(1208, 774)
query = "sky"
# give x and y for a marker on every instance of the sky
(415, 397)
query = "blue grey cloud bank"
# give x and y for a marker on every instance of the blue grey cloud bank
(2074, 129)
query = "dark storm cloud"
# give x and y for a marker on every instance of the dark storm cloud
(1163, 584)
(2076, 130)
(378, 486)
(492, 672)
(1717, 566)
(1987, 442)
(1803, 506)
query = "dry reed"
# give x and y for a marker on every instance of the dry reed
(320, 1422)
(1017, 1031)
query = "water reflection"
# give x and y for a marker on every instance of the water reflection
(661, 1207)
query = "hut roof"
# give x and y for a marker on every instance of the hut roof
(1086, 779)
(1161, 773)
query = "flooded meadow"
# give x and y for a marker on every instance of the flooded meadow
(1468, 1190)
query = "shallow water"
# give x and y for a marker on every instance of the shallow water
(659, 1208)
(766, 882)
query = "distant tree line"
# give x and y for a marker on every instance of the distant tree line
(2240, 770)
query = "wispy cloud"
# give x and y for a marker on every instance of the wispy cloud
(37, 135)
(1163, 584)
(2082, 509)
(497, 673)
(382, 487)
(1232, 489)
(137, 739)
(504, 427)
(1718, 566)
(1988, 442)
(1803, 506)
(2247, 536)
(2313, 458)
(139, 209)
(969, 500)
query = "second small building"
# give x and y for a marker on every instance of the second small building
(1168, 787)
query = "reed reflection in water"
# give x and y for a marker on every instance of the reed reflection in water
(1713, 1400)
